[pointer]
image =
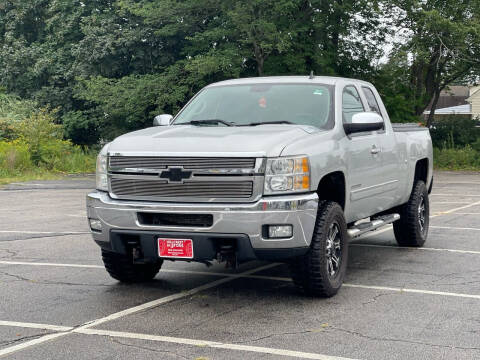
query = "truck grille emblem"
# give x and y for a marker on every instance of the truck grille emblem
(175, 175)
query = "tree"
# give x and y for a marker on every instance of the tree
(444, 47)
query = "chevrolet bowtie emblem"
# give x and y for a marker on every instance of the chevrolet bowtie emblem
(175, 175)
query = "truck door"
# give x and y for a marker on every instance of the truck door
(363, 160)
(391, 167)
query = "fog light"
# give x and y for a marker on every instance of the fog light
(95, 224)
(280, 231)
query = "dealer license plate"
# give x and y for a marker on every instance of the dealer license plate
(175, 248)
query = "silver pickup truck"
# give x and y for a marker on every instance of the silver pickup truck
(276, 169)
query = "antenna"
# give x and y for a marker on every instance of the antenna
(311, 75)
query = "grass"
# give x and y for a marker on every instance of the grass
(464, 159)
(29, 176)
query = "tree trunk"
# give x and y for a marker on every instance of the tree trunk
(259, 58)
(434, 106)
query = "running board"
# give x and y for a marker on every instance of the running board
(365, 227)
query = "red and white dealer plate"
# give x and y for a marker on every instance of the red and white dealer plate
(175, 248)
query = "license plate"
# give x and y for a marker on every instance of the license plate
(175, 248)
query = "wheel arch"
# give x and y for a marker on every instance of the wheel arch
(332, 187)
(421, 171)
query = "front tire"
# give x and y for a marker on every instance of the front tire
(321, 271)
(412, 228)
(122, 268)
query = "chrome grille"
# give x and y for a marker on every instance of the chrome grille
(191, 163)
(195, 189)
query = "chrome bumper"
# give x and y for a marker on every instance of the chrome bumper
(297, 210)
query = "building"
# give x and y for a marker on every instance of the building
(459, 101)
(474, 101)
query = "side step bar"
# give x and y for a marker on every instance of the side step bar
(379, 222)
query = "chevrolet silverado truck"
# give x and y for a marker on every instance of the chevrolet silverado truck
(283, 169)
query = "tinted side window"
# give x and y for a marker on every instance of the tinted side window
(351, 103)
(372, 101)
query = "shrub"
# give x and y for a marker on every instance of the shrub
(465, 158)
(454, 131)
(81, 127)
(14, 158)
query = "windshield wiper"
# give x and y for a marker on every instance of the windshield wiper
(270, 122)
(209, 121)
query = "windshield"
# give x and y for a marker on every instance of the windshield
(254, 104)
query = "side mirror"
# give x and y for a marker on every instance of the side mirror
(162, 120)
(364, 121)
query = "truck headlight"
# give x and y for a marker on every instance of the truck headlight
(287, 174)
(101, 172)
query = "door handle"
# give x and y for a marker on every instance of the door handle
(375, 150)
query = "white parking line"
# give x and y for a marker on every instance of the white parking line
(135, 309)
(43, 232)
(453, 228)
(449, 202)
(247, 274)
(463, 195)
(457, 182)
(210, 344)
(24, 345)
(51, 264)
(36, 326)
(466, 213)
(416, 291)
(417, 248)
(458, 208)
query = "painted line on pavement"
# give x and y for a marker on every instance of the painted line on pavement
(27, 344)
(456, 209)
(249, 275)
(453, 228)
(449, 202)
(415, 291)
(35, 326)
(457, 182)
(467, 213)
(460, 195)
(43, 232)
(51, 264)
(209, 344)
(416, 248)
(133, 310)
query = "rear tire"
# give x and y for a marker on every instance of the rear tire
(320, 272)
(412, 228)
(122, 268)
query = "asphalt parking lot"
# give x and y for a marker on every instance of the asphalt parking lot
(57, 301)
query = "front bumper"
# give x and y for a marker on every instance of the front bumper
(231, 219)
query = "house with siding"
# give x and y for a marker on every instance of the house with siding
(459, 101)
(474, 101)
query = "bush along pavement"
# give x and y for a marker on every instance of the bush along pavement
(34, 147)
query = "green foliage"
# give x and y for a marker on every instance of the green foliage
(14, 158)
(110, 66)
(35, 145)
(81, 127)
(454, 132)
(465, 158)
(13, 110)
(443, 47)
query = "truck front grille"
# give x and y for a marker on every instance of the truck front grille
(194, 189)
(190, 163)
(186, 179)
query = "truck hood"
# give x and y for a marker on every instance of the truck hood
(188, 140)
